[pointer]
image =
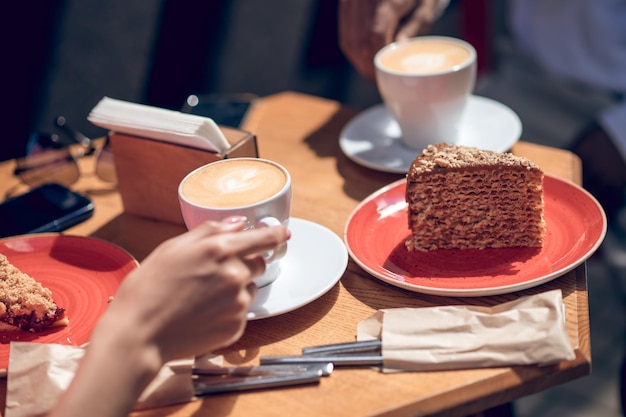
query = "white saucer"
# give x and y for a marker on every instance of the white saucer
(316, 259)
(373, 138)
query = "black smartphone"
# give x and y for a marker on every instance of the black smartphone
(48, 208)
(225, 109)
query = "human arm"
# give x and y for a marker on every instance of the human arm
(190, 296)
(365, 26)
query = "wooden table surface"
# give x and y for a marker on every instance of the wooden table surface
(301, 132)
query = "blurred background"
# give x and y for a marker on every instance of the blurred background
(63, 56)
(60, 57)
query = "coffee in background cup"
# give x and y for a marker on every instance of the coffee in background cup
(257, 189)
(425, 83)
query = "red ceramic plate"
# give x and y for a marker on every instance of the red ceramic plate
(376, 231)
(82, 274)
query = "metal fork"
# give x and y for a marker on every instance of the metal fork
(364, 353)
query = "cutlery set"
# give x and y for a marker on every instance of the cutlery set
(314, 363)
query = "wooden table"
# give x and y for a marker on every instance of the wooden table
(301, 132)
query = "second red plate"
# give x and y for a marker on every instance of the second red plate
(376, 231)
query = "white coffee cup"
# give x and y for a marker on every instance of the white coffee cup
(254, 188)
(425, 83)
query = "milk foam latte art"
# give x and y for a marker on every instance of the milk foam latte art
(425, 57)
(241, 182)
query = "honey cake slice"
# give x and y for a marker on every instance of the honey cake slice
(25, 303)
(462, 197)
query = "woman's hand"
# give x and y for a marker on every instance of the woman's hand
(190, 296)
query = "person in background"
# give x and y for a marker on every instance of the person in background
(581, 42)
(190, 296)
(584, 43)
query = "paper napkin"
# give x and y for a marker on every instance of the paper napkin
(157, 123)
(38, 373)
(530, 330)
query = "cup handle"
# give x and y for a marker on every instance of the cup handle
(279, 251)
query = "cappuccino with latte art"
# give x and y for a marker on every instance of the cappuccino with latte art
(240, 182)
(251, 189)
(425, 83)
(425, 57)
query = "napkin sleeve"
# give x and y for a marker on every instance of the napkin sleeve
(530, 330)
(39, 373)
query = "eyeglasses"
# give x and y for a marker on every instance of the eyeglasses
(49, 158)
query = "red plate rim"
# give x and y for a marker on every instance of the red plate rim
(376, 229)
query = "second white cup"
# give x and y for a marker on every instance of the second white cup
(425, 83)
(257, 189)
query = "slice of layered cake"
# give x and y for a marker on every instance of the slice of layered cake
(24, 302)
(463, 197)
